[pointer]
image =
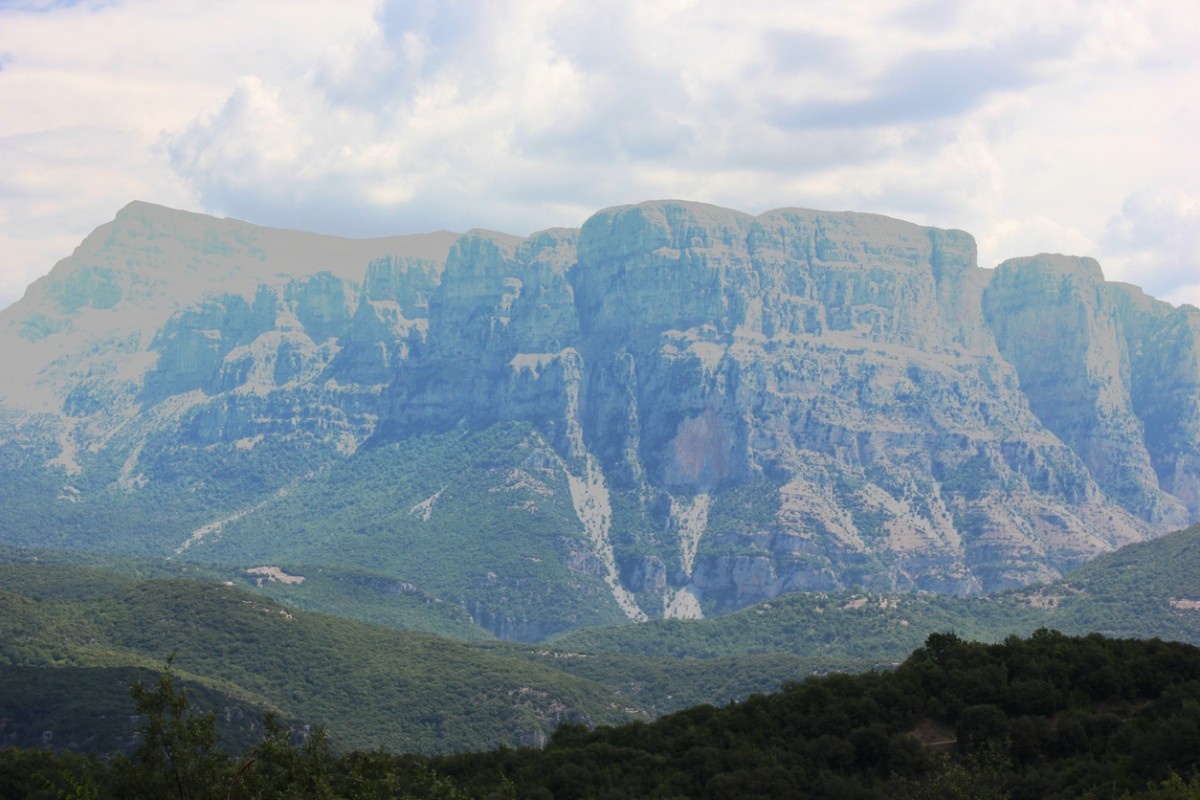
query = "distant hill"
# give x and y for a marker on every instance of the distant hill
(89, 710)
(1166, 567)
(73, 638)
(369, 686)
(1146, 589)
(70, 624)
(1143, 590)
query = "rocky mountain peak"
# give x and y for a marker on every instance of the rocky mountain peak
(696, 408)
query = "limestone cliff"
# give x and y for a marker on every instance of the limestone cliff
(1062, 328)
(709, 408)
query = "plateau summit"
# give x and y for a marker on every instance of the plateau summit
(675, 410)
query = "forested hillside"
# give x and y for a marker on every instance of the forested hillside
(1049, 716)
(1043, 717)
(72, 637)
(1143, 590)
(369, 686)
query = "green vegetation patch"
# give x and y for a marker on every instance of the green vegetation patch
(483, 520)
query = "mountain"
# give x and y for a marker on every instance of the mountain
(676, 410)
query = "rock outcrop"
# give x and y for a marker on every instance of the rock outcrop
(720, 407)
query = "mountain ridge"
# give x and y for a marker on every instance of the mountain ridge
(695, 409)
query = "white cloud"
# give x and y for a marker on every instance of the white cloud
(1032, 236)
(1157, 234)
(1030, 124)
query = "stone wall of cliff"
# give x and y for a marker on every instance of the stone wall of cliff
(740, 405)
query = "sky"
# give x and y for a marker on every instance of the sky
(1064, 126)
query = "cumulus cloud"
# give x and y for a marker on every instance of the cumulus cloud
(1010, 120)
(933, 85)
(1157, 233)
(435, 111)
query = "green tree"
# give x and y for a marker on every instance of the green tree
(176, 755)
(978, 778)
(276, 769)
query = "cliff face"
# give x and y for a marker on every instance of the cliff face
(1074, 342)
(718, 407)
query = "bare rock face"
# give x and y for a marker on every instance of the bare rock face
(724, 407)
(1164, 387)
(1056, 322)
(846, 360)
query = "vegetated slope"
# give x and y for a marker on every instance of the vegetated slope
(660, 666)
(660, 685)
(369, 686)
(89, 709)
(482, 521)
(361, 594)
(1045, 717)
(713, 409)
(1144, 590)
(877, 629)
(1167, 567)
